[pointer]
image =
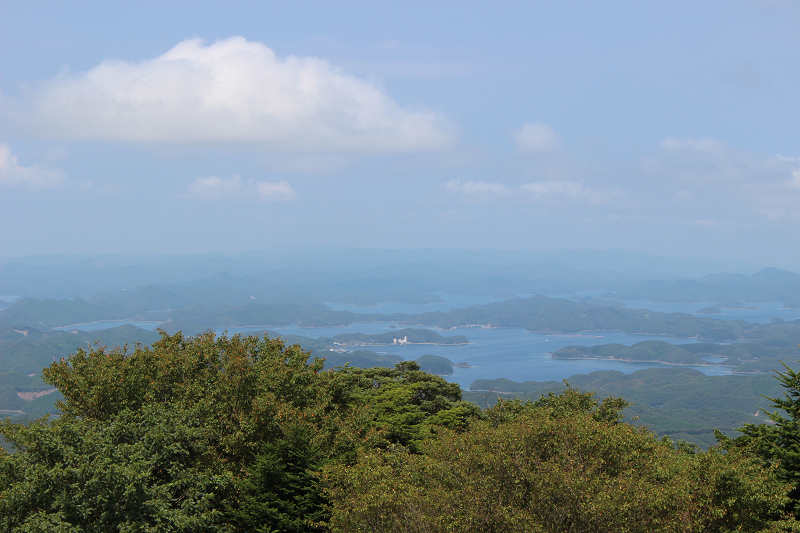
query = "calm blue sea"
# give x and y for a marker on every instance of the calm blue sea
(511, 353)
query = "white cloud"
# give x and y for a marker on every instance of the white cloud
(231, 91)
(675, 145)
(215, 188)
(708, 223)
(478, 189)
(720, 177)
(537, 138)
(551, 191)
(712, 161)
(38, 176)
(564, 191)
(272, 192)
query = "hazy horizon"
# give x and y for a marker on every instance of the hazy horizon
(337, 258)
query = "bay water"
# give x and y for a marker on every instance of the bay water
(511, 353)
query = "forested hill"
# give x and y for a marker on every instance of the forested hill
(554, 315)
(766, 285)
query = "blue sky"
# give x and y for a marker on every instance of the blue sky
(663, 127)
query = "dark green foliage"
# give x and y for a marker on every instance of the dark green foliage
(407, 404)
(778, 443)
(246, 434)
(137, 470)
(567, 403)
(553, 467)
(282, 494)
(208, 434)
(179, 424)
(572, 402)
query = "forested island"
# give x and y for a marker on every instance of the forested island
(647, 351)
(741, 357)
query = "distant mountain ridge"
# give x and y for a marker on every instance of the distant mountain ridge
(65, 276)
(766, 285)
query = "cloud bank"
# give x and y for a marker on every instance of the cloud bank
(536, 138)
(215, 188)
(556, 192)
(231, 91)
(713, 177)
(38, 176)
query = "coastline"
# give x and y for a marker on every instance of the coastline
(645, 361)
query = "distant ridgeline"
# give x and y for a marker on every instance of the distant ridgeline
(767, 285)
(162, 284)
(537, 313)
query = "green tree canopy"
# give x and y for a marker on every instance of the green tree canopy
(163, 438)
(208, 433)
(245, 434)
(542, 468)
(777, 443)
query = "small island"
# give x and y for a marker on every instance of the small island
(397, 338)
(646, 351)
(435, 364)
(730, 304)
